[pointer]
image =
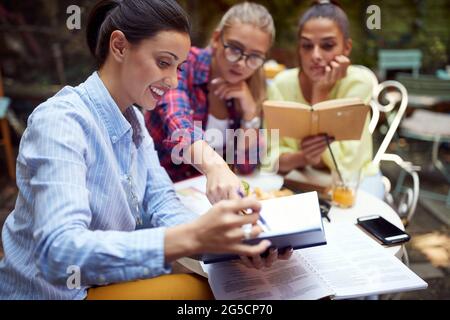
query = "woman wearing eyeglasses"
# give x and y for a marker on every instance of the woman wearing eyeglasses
(220, 87)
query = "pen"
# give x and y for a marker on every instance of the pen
(261, 220)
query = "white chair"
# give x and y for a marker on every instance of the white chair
(404, 200)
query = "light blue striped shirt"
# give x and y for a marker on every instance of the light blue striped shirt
(92, 195)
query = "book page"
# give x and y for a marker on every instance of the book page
(335, 103)
(286, 104)
(284, 280)
(295, 213)
(194, 199)
(192, 265)
(343, 123)
(289, 118)
(355, 265)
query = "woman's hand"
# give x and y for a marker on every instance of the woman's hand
(259, 262)
(222, 184)
(240, 91)
(335, 71)
(311, 152)
(312, 148)
(220, 229)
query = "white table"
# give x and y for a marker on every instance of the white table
(365, 205)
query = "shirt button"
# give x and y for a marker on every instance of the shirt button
(114, 138)
(146, 271)
(101, 279)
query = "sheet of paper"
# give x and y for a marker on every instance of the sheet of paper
(194, 199)
(292, 214)
(193, 266)
(285, 280)
(350, 265)
(355, 265)
(198, 183)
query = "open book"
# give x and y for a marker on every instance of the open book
(293, 221)
(343, 119)
(350, 265)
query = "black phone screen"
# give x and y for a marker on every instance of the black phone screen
(383, 229)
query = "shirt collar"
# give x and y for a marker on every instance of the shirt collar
(107, 108)
(202, 66)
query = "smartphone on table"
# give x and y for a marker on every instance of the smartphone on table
(383, 230)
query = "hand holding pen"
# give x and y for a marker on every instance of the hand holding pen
(261, 221)
(270, 255)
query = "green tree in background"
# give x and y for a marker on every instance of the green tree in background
(405, 24)
(37, 47)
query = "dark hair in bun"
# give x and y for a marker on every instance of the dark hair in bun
(326, 9)
(137, 19)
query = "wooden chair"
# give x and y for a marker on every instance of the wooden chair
(5, 140)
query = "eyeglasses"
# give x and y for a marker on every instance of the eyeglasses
(234, 54)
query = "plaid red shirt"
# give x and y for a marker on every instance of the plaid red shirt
(171, 123)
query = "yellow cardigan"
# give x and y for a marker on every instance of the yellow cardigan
(350, 155)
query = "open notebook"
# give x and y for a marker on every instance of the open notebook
(350, 265)
(343, 119)
(293, 221)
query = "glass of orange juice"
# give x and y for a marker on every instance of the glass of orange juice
(343, 191)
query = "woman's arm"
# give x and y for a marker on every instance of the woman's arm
(181, 141)
(54, 150)
(291, 161)
(334, 72)
(217, 231)
(221, 183)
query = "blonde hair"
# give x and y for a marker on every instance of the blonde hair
(258, 16)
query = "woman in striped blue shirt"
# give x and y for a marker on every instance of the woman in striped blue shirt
(94, 205)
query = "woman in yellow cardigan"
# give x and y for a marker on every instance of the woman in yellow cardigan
(325, 73)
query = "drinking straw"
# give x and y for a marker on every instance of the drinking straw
(334, 159)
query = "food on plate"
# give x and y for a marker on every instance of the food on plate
(260, 194)
(264, 195)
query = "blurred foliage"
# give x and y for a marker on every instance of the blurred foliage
(404, 24)
(32, 32)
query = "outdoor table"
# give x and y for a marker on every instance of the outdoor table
(366, 204)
